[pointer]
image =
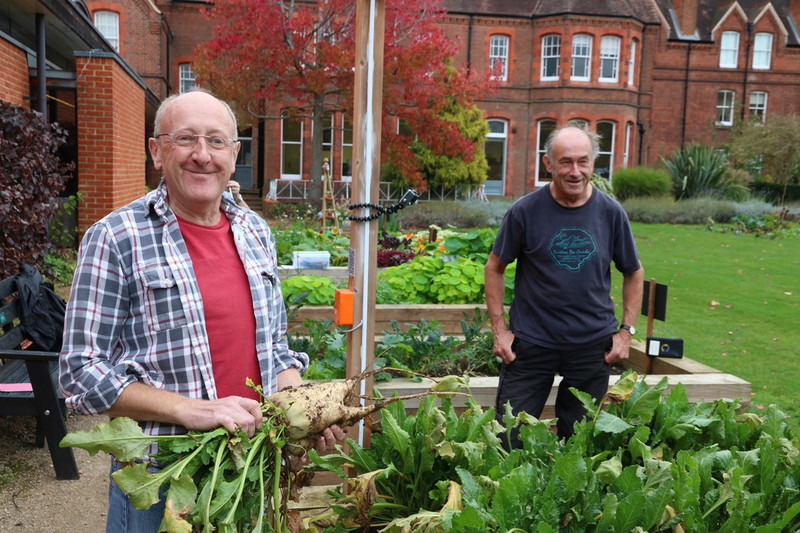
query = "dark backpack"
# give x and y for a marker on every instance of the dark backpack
(41, 309)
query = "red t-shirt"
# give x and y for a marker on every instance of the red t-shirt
(228, 306)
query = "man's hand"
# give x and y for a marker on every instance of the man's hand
(234, 413)
(142, 402)
(329, 437)
(502, 346)
(620, 347)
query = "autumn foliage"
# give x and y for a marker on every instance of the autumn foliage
(298, 58)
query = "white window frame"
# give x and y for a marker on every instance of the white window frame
(285, 143)
(582, 50)
(611, 143)
(762, 51)
(729, 49)
(627, 148)
(498, 56)
(186, 77)
(540, 151)
(726, 101)
(107, 23)
(500, 136)
(551, 51)
(610, 46)
(632, 64)
(758, 105)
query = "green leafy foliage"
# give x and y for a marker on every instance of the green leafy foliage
(301, 237)
(214, 480)
(31, 176)
(642, 461)
(428, 279)
(318, 290)
(474, 244)
(325, 345)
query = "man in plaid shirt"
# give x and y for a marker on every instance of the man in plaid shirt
(176, 300)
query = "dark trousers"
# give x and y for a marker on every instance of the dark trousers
(526, 381)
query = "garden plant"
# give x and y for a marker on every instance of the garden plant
(644, 460)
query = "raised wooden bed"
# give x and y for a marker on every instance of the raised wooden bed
(701, 381)
(448, 316)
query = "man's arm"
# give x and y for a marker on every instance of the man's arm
(143, 402)
(495, 290)
(632, 284)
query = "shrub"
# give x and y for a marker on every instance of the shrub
(31, 176)
(638, 182)
(698, 171)
(753, 208)
(442, 213)
(667, 211)
(495, 209)
(604, 184)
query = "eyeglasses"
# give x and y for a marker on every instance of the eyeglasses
(189, 140)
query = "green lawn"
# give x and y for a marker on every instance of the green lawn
(735, 300)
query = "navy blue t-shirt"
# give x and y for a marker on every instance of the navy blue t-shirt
(563, 280)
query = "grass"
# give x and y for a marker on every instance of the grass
(735, 300)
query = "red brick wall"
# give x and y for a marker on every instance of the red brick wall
(111, 155)
(694, 122)
(189, 27)
(143, 40)
(14, 81)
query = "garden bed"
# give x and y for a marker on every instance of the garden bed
(701, 381)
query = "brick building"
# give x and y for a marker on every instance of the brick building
(54, 60)
(648, 75)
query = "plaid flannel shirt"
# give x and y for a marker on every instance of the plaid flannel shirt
(135, 313)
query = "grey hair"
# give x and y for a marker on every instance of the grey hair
(594, 139)
(195, 89)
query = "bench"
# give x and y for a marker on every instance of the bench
(22, 364)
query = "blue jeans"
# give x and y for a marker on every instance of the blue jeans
(123, 517)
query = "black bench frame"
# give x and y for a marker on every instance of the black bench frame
(41, 370)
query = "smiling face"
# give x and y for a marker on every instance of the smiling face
(195, 175)
(571, 166)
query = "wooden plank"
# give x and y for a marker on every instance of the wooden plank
(707, 386)
(448, 316)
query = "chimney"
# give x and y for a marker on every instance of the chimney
(686, 13)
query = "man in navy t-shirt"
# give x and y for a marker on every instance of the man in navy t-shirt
(564, 237)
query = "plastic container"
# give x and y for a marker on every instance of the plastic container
(311, 259)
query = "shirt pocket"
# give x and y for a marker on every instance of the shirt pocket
(161, 303)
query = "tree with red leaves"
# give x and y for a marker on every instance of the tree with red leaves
(298, 57)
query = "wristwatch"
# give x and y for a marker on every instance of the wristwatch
(631, 329)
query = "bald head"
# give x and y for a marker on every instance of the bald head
(198, 97)
(573, 132)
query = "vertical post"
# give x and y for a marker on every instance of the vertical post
(367, 110)
(41, 64)
(651, 313)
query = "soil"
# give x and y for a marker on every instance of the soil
(32, 500)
